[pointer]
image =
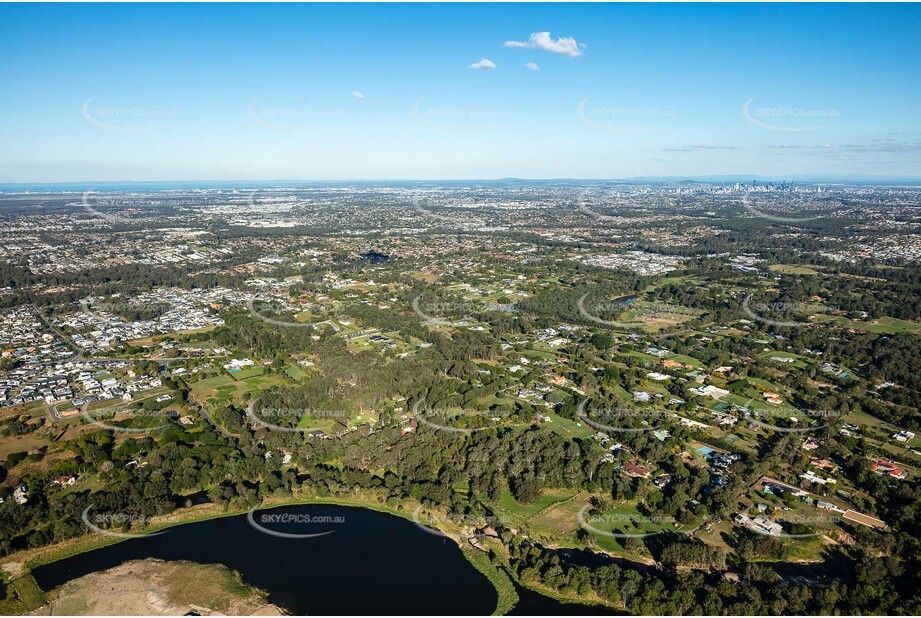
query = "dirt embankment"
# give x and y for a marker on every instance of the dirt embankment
(160, 588)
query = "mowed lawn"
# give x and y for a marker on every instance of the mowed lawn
(245, 374)
(223, 388)
(799, 362)
(547, 498)
(566, 427)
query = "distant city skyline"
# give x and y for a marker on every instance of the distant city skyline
(241, 92)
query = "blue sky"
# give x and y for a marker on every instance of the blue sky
(387, 91)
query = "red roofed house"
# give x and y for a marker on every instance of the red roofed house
(631, 468)
(884, 467)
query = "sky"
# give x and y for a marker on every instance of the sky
(457, 91)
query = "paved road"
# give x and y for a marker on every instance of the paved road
(67, 340)
(204, 414)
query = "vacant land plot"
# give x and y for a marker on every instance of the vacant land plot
(156, 587)
(567, 427)
(21, 444)
(884, 325)
(791, 269)
(245, 374)
(221, 389)
(548, 498)
(563, 516)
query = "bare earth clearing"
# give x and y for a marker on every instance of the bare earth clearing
(160, 588)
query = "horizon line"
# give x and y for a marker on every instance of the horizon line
(807, 177)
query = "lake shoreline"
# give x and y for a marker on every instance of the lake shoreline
(21, 564)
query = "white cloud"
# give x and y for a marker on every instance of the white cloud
(485, 63)
(358, 95)
(542, 40)
(532, 66)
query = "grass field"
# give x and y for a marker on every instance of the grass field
(245, 374)
(23, 597)
(547, 498)
(295, 373)
(625, 518)
(687, 360)
(799, 362)
(566, 427)
(791, 269)
(148, 341)
(223, 388)
(884, 325)
(562, 517)
(21, 444)
(531, 353)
